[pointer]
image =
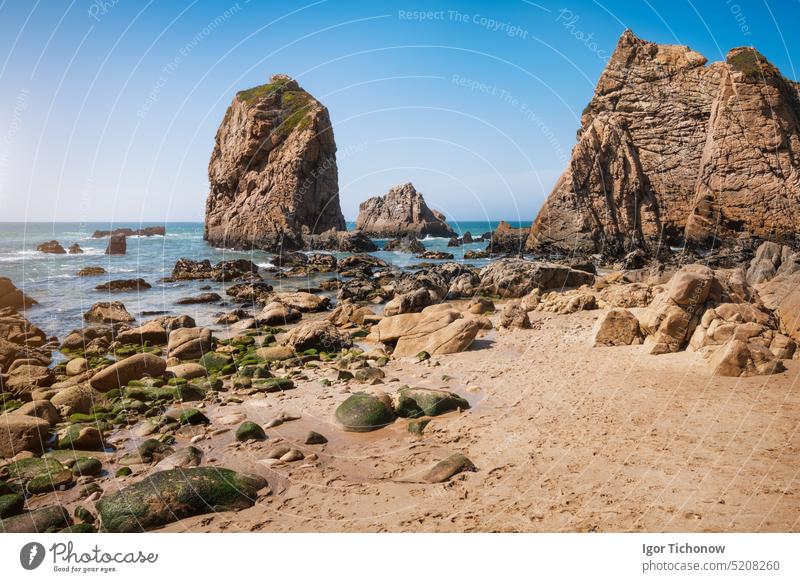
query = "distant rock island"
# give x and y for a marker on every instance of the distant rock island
(145, 231)
(273, 171)
(401, 211)
(672, 150)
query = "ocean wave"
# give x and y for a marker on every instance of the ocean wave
(266, 265)
(429, 237)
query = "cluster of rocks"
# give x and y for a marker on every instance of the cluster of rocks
(53, 247)
(144, 231)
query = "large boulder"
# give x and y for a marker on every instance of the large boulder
(277, 314)
(273, 172)
(168, 496)
(131, 368)
(618, 327)
(438, 329)
(189, 343)
(21, 432)
(411, 302)
(319, 335)
(518, 277)
(10, 296)
(110, 312)
(453, 338)
(303, 302)
(362, 412)
(401, 211)
(151, 332)
(121, 285)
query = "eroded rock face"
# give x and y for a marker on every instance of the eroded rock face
(402, 211)
(670, 149)
(10, 296)
(273, 170)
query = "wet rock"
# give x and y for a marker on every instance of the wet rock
(189, 456)
(618, 327)
(91, 271)
(187, 371)
(232, 270)
(131, 368)
(75, 249)
(314, 438)
(418, 425)
(117, 245)
(11, 504)
(110, 312)
(447, 468)
(45, 519)
(412, 302)
(369, 374)
(215, 361)
(189, 343)
(22, 378)
(416, 402)
(121, 285)
(52, 247)
(176, 494)
(12, 297)
(19, 432)
(47, 482)
(81, 437)
(250, 431)
(275, 353)
(362, 412)
(318, 335)
(436, 256)
(201, 298)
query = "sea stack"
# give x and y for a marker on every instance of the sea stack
(402, 211)
(273, 171)
(672, 151)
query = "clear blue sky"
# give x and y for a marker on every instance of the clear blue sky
(108, 108)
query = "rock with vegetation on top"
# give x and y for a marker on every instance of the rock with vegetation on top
(362, 412)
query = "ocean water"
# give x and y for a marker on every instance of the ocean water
(63, 296)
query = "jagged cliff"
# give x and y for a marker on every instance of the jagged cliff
(672, 149)
(401, 211)
(273, 170)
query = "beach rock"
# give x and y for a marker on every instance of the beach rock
(120, 285)
(314, 438)
(87, 466)
(347, 313)
(472, 254)
(514, 316)
(188, 371)
(45, 519)
(19, 432)
(303, 302)
(273, 170)
(144, 231)
(189, 456)
(401, 211)
(416, 402)
(131, 368)
(151, 333)
(518, 277)
(11, 504)
(626, 295)
(358, 289)
(110, 312)
(507, 240)
(448, 468)
(405, 244)
(91, 271)
(81, 438)
(117, 245)
(250, 431)
(739, 357)
(275, 353)
(224, 271)
(618, 327)
(75, 249)
(661, 157)
(189, 343)
(362, 412)
(364, 263)
(168, 496)
(480, 305)
(23, 378)
(12, 297)
(436, 256)
(454, 337)
(201, 298)
(52, 247)
(411, 302)
(318, 335)
(277, 314)
(79, 339)
(43, 409)
(76, 366)
(77, 399)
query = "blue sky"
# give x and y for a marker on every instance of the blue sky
(109, 107)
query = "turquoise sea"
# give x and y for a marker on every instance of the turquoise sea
(63, 296)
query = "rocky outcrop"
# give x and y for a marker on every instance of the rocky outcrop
(518, 277)
(117, 245)
(402, 211)
(273, 170)
(52, 247)
(144, 231)
(10, 296)
(672, 150)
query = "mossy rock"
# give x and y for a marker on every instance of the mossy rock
(175, 494)
(47, 482)
(123, 472)
(417, 425)
(149, 394)
(148, 451)
(255, 371)
(11, 504)
(422, 356)
(45, 519)
(26, 469)
(363, 413)
(190, 392)
(177, 381)
(84, 514)
(272, 384)
(416, 402)
(215, 361)
(193, 417)
(82, 437)
(268, 340)
(87, 466)
(249, 430)
(369, 374)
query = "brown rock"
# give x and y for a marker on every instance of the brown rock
(619, 327)
(108, 312)
(514, 316)
(117, 245)
(670, 147)
(52, 247)
(319, 335)
(10, 296)
(132, 368)
(19, 432)
(273, 170)
(401, 211)
(189, 343)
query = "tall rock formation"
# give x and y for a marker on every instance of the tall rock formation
(672, 149)
(273, 170)
(402, 211)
